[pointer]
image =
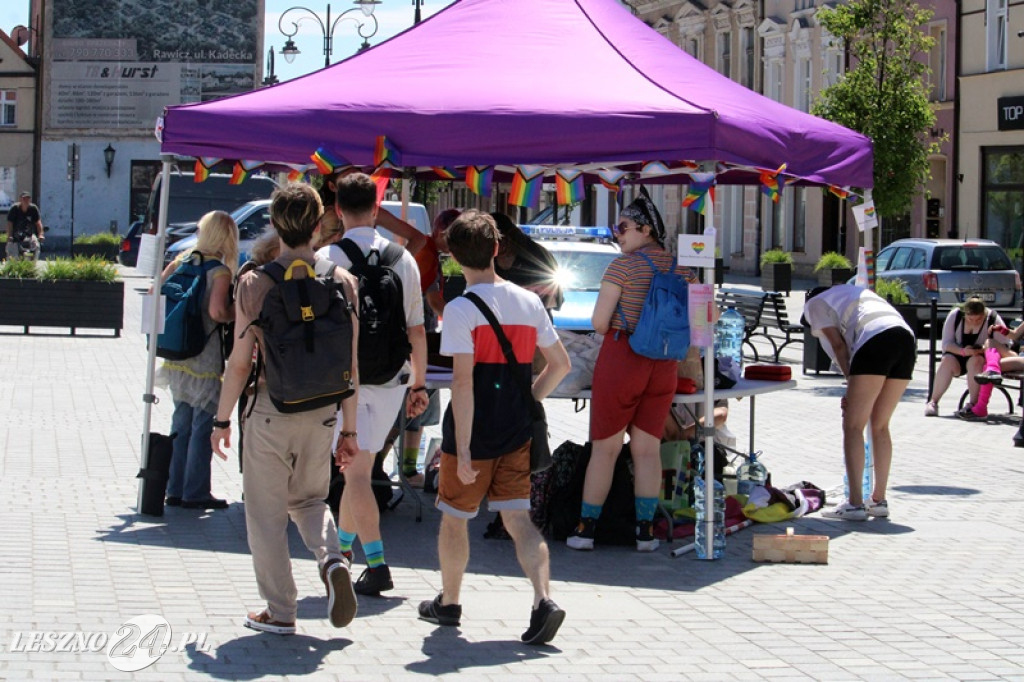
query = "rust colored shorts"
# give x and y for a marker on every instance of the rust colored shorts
(505, 481)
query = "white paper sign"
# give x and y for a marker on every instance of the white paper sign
(865, 216)
(696, 251)
(148, 256)
(702, 315)
(148, 301)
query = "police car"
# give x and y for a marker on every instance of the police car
(583, 254)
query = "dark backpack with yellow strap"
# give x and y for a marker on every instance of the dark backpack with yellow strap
(307, 337)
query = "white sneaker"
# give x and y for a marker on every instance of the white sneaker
(847, 512)
(931, 410)
(880, 510)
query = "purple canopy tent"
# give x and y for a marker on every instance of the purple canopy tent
(555, 83)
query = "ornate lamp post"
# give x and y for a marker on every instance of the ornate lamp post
(327, 27)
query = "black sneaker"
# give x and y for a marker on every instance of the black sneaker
(373, 581)
(435, 612)
(341, 599)
(173, 501)
(989, 376)
(544, 623)
(645, 540)
(583, 536)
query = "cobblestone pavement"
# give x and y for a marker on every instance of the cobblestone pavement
(933, 593)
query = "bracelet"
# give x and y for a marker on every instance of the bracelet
(226, 424)
(418, 389)
(348, 434)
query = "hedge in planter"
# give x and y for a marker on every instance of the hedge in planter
(104, 245)
(777, 270)
(78, 293)
(833, 268)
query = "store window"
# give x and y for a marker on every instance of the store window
(1002, 202)
(143, 175)
(8, 107)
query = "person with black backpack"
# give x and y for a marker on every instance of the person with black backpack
(193, 361)
(392, 360)
(299, 313)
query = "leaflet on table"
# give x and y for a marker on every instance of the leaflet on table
(702, 315)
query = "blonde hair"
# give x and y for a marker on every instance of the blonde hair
(218, 238)
(266, 248)
(331, 229)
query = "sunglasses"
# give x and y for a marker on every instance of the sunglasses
(623, 228)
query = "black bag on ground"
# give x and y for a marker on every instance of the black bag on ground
(383, 339)
(617, 524)
(307, 338)
(156, 473)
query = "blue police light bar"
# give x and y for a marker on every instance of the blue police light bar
(567, 232)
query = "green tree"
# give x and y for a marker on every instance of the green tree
(884, 95)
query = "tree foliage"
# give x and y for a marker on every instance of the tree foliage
(885, 94)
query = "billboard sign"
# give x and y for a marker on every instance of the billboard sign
(119, 67)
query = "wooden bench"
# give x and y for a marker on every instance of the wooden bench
(764, 315)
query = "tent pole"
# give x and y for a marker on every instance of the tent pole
(709, 399)
(149, 398)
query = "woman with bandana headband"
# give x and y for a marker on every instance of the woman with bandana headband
(629, 391)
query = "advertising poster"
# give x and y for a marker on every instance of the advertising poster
(118, 66)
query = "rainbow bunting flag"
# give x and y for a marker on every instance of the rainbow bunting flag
(478, 179)
(839, 191)
(381, 179)
(444, 173)
(242, 171)
(526, 188)
(325, 162)
(385, 155)
(702, 187)
(568, 187)
(203, 166)
(298, 172)
(654, 168)
(611, 179)
(770, 183)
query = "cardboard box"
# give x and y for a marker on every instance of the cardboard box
(791, 549)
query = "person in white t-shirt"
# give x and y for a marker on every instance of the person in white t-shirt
(876, 351)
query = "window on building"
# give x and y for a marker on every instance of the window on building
(778, 223)
(802, 84)
(834, 66)
(1002, 202)
(694, 46)
(937, 63)
(143, 173)
(798, 200)
(748, 50)
(8, 107)
(775, 80)
(995, 22)
(725, 53)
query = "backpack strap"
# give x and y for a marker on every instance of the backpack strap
(655, 271)
(391, 254)
(354, 253)
(506, 348)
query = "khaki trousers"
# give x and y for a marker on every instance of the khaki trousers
(286, 474)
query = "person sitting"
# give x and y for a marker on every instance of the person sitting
(524, 262)
(999, 357)
(963, 337)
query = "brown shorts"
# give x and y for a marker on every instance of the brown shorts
(505, 481)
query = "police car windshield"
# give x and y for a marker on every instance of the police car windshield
(581, 270)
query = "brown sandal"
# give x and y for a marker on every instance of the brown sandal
(261, 621)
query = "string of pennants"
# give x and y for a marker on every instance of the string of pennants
(527, 180)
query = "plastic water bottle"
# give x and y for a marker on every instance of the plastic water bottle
(729, 336)
(867, 482)
(750, 475)
(718, 514)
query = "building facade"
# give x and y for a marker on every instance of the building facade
(17, 121)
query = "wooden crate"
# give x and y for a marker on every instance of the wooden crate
(791, 549)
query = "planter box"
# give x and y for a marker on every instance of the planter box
(106, 251)
(91, 305)
(833, 276)
(815, 358)
(777, 277)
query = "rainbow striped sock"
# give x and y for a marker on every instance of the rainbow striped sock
(374, 552)
(346, 539)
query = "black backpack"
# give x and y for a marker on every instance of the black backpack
(383, 341)
(184, 335)
(307, 338)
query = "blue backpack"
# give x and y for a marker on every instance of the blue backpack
(184, 335)
(663, 330)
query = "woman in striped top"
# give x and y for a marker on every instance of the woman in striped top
(629, 391)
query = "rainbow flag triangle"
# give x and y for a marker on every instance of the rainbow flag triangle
(611, 179)
(839, 191)
(203, 166)
(325, 162)
(385, 154)
(444, 172)
(526, 191)
(568, 187)
(770, 184)
(702, 188)
(478, 179)
(298, 171)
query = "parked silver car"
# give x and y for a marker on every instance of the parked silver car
(950, 271)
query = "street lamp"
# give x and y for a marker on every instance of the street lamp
(270, 78)
(416, 17)
(327, 27)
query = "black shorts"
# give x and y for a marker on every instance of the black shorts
(891, 354)
(960, 360)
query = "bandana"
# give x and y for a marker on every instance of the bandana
(643, 212)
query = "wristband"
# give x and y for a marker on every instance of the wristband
(226, 424)
(418, 389)
(348, 434)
